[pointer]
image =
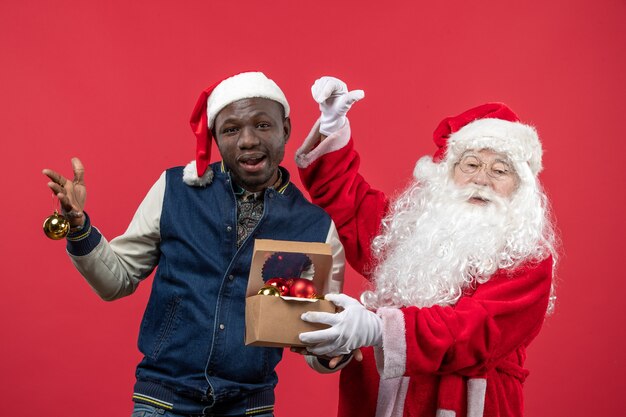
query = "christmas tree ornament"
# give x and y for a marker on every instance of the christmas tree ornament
(269, 290)
(302, 288)
(56, 226)
(280, 284)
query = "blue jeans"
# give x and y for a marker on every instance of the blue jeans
(145, 410)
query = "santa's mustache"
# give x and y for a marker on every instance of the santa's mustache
(483, 193)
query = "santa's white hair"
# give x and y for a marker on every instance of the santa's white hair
(434, 244)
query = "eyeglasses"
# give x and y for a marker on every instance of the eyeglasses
(498, 170)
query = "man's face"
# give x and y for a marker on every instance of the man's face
(486, 168)
(251, 136)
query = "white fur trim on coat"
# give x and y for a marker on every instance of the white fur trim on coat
(309, 152)
(391, 358)
(391, 396)
(240, 86)
(518, 141)
(476, 393)
(190, 176)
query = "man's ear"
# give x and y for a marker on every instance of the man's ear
(287, 128)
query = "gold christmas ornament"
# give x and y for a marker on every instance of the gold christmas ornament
(269, 290)
(56, 226)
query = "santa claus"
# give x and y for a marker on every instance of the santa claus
(461, 265)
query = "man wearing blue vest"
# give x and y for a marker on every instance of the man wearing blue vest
(197, 226)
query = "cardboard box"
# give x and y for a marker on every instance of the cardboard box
(275, 321)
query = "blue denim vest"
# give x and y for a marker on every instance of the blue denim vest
(192, 333)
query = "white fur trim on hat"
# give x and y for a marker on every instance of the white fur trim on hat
(190, 176)
(518, 141)
(240, 86)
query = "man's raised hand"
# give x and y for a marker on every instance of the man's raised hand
(71, 193)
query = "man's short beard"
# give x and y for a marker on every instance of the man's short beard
(435, 245)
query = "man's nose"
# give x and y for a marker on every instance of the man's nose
(248, 138)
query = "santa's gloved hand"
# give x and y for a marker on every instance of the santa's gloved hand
(350, 329)
(335, 100)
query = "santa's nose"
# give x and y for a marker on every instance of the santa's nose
(481, 177)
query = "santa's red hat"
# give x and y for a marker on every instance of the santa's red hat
(489, 126)
(211, 101)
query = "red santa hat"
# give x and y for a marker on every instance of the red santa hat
(212, 100)
(489, 126)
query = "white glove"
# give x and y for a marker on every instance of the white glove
(335, 100)
(351, 329)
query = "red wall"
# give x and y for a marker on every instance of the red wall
(114, 82)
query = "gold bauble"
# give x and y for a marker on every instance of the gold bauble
(56, 226)
(269, 290)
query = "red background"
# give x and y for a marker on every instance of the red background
(114, 82)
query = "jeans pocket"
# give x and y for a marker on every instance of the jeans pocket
(145, 410)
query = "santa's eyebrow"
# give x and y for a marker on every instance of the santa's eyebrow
(468, 153)
(504, 159)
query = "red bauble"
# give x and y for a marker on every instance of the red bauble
(302, 288)
(280, 284)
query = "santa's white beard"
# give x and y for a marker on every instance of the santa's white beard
(435, 244)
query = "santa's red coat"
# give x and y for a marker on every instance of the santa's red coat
(464, 360)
